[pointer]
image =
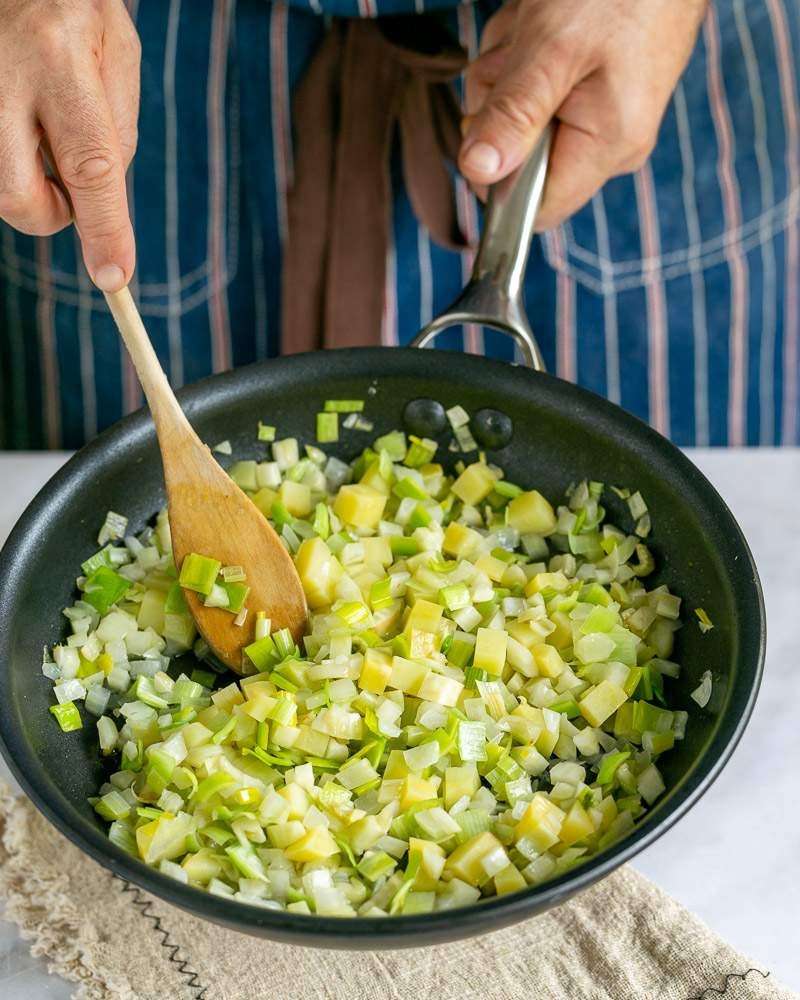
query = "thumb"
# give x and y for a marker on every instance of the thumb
(500, 135)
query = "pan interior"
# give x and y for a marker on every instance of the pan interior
(561, 434)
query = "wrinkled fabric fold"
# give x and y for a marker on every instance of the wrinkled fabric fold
(362, 90)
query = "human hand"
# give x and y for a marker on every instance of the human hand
(605, 69)
(69, 84)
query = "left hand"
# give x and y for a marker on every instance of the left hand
(605, 69)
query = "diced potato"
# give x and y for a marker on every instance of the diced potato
(315, 845)
(490, 650)
(264, 499)
(359, 505)
(474, 484)
(440, 689)
(531, 513)
(561, 637)
(576, 826)
(465, 861)
(376, 671)
(510, 879)
(296, 497)
(541, 822)
(548, 660)
(458, 782)
(460, 541)
(601, 702)
(364, 833)
(377, 550)
(415, 789)
(432, 859)
(319, 572)
(297, 798)
(373, 478)
(396, 766)
(493, 567)
(422, 644)
(547, 581)
(425, 616)
(406, 675)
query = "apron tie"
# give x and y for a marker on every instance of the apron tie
(360, 87)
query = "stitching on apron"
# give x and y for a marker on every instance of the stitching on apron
(675, 264)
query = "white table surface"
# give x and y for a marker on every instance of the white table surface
(733, 859)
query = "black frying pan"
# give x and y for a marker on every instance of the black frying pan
(560, 433)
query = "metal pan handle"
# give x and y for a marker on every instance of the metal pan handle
(494, 296)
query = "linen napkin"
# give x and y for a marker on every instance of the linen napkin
(623, 939)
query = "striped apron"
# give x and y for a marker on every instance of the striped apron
(674, 292)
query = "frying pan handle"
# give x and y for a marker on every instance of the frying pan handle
(494, 295)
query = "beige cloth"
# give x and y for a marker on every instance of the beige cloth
(623, 939)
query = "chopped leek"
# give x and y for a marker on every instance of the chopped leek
(480, 700)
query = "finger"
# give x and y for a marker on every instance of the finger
(482, 74)
(623, 130)
(119, 71)
(499, 27)
(79, 125)
(579, 166)
(514, 113)
(29, 200)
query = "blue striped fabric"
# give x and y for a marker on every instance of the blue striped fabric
(674, 292)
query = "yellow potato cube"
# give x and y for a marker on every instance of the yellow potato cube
(510, 879)
(431, 863)
(376, 671)
(296, 497)
(359, 505)
(364, 833)
(425, 616)
(460, 541)
(547, 581)
(440, 689)
(465, 861)
(490, 650)
(319, 572)
(530, 512)
(458, 782)
(540, 823)
(493, 567)
(396, 766)
(422, 644)
(577, 825)
(264, 499)
(298, 800)
(548, 660)
(415, 789)
(561, 637)
(474, 484)
(315, 845)
(373, 478)
(377, 550)
(406, 675)
(601, 702)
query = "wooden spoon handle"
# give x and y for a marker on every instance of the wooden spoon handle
(160, 397)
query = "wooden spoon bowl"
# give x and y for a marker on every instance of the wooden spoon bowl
(209, 514)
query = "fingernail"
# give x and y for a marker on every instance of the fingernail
(109, 278)
(482, 158)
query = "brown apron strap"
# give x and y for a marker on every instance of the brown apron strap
(359, 88)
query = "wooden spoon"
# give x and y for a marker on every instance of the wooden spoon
(208, 513)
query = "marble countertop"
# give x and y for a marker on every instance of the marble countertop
(733, 860)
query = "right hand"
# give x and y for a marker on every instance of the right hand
(69, 84)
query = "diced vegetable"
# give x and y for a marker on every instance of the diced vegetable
(479, 702)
